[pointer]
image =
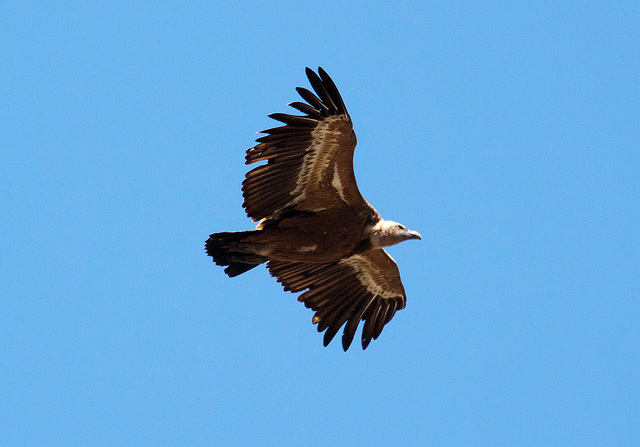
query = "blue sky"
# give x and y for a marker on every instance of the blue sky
(507, 135)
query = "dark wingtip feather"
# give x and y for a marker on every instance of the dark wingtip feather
(319, 86)
(346, 340)
(312, 99)
(294, 120)
(380, 321)
(306, 108)
(333, 91)
(353, 323)
(329, 334)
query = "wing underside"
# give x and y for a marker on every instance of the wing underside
(309, 160)
(364, 287)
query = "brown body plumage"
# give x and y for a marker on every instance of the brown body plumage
(315, 230)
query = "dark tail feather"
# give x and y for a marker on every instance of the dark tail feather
(229, 249)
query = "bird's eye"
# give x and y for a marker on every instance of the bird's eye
(400, 227)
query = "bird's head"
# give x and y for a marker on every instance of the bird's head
(386, 233)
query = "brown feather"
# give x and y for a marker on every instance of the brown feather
(306, 108)
(294, 120)
(312, 99)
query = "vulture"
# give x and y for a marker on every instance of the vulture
(315, 231)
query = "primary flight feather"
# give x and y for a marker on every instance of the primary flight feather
(315, 231)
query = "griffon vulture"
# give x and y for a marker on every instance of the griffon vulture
(315, 231)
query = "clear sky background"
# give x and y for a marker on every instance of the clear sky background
(509, 136)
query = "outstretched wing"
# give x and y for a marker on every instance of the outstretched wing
(309, 159)
(364, 287)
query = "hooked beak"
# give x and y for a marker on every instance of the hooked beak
(415, 235)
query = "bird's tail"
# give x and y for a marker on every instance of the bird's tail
(231, 249)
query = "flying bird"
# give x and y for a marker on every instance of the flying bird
(315, 231)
